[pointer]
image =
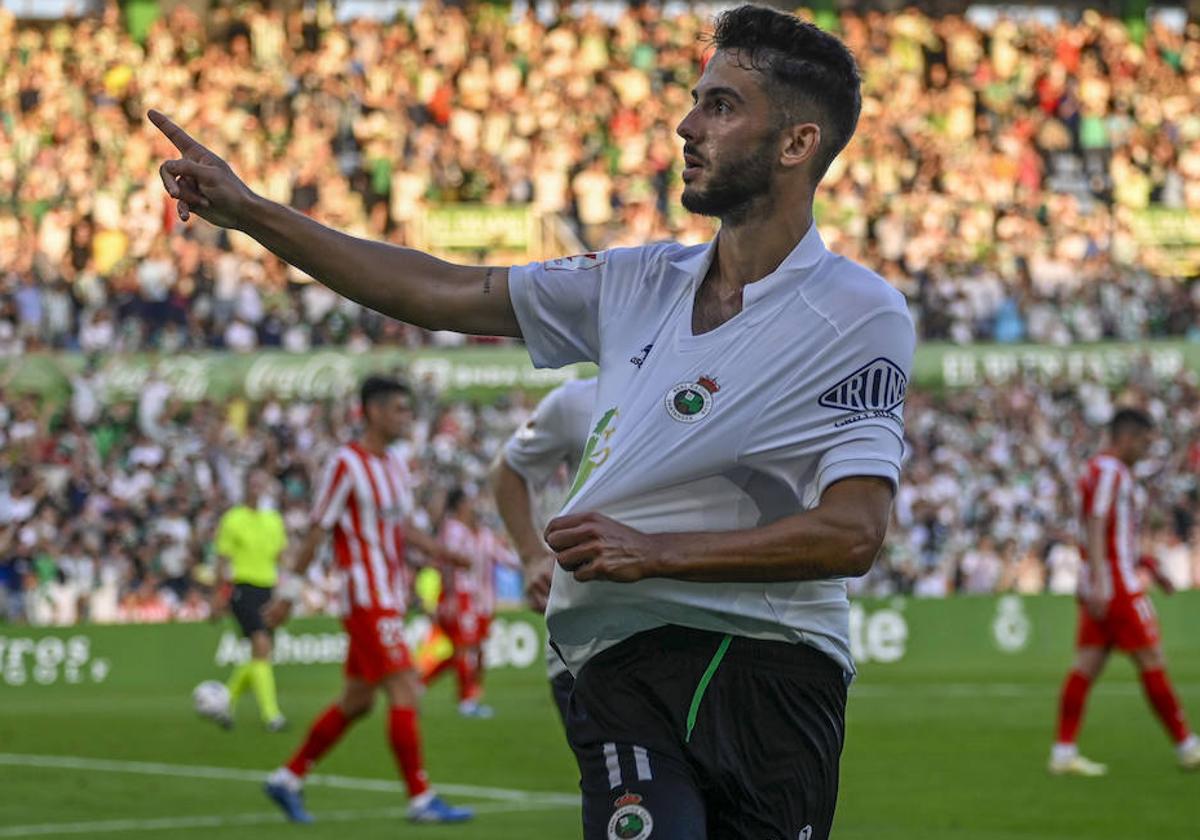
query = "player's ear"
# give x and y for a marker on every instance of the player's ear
(800, 142)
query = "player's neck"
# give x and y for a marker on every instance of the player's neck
(752, 249)
(373, 442)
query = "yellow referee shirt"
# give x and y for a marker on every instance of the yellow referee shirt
(252, 540)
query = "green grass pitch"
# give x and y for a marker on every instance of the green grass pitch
(948, 742)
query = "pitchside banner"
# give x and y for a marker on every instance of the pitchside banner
(490, 371)
(992, 638)
(321, 375)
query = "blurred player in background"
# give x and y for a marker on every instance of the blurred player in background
(250, 539)
(363, 500)
(1114, 611)
(468, 599)
(554, 436)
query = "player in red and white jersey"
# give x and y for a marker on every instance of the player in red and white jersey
(364, 501)
(1114, 611)
(468, 599)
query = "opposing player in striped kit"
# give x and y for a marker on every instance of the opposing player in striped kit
(1114, 611)
(468, 599)
(364, 500)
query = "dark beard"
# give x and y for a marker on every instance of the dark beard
(736, 188)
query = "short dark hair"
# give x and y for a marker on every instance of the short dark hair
(804, 67)
(378, 387)
(1129, 420)
(454, 497)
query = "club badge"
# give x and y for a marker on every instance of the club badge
(691, 402)
(630, 821)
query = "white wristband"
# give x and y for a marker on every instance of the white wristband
(289, 589)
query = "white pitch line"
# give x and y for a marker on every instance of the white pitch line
(259, 818)
(197, 771)
(993, 689)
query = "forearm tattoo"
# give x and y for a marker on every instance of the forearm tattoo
(487, 281)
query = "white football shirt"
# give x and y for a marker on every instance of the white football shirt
(555, 434)
(732, 429)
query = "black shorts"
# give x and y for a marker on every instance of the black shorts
(247, 604)
(560, 688)
(684, 734)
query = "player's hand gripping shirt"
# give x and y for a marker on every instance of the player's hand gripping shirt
(364, 500)
(732, 429)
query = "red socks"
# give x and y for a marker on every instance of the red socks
(325, 732)
(439, 669)
(466, 664)
(402, 732)
(1166, 705)
(1070, 709)
(1158, 692)
(406, 744)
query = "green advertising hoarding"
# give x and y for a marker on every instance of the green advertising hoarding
(327, 374)
(1008, 637)
(488, 371)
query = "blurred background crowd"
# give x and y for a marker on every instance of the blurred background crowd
(1006, 175)
(117, 520)
(117, 523)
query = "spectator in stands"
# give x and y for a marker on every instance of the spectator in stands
(999, 175)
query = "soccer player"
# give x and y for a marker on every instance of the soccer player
(250, 539)
(363, 500)
(555, 435)
(1114, 612)
(744, 453)
(468, 599)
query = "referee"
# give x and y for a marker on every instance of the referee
(250, 538)
(744, 452)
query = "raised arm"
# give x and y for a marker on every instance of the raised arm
(402, 283)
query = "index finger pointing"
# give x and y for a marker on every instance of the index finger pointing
(183, 141)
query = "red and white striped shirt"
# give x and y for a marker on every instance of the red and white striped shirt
(365, 500)
(485, 549)
(1107, 491)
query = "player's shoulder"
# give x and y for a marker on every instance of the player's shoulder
(452, 527)
(849, 292)
(574, 392)
(1104, 462)
(641, 264)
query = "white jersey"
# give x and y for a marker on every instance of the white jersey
(732, 429)
(554, 435)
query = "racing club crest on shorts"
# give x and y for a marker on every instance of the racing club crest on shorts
(630, 821)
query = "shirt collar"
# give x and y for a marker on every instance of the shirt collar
(808, 252)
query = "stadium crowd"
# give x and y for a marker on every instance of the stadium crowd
(996, 177)
(116, 521)
(109, 513)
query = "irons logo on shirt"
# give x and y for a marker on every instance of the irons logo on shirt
(691, 402)
(579, 262)
(876, 389)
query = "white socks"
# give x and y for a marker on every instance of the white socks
(1064, 752)
(1188, 744)
(419, 802)
(285, 778)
